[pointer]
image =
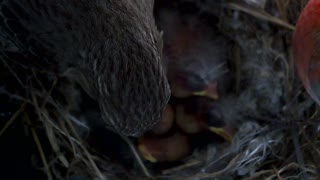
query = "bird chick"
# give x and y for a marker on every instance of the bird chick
(166, 121)
(111, 48)
(188, 122)
(194, 54)
(199, 114)
(167, 148)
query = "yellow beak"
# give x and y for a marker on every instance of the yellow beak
(144, 152)
(211, 92)
(222, 132)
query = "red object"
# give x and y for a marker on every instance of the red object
(306, 47)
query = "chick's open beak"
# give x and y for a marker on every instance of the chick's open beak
(224, 132)
(169, 148)
(145, 153)
(211, 91)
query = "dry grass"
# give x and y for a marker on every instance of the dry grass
(286, 146)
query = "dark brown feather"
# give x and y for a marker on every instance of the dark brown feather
(112, 48)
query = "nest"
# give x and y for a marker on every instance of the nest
(47, 126)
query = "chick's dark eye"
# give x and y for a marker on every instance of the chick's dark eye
(191, 81)
(214, 118)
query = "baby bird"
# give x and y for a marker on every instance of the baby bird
(194, 54)
(172, 147)
(199, 114)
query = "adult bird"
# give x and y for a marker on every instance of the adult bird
(112, 48)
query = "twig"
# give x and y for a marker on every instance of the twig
(277, 173)
(137, 156)
(260, 15)
(237, 61)
(52, 140)
(291, 166)
(11, 120)
(215, 174)
(84, 149)
(258, 174)
(182, 167)
(299, 154)
(281, 5)
(40, 149)
(12, 72)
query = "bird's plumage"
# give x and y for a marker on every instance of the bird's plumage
(112, 48)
